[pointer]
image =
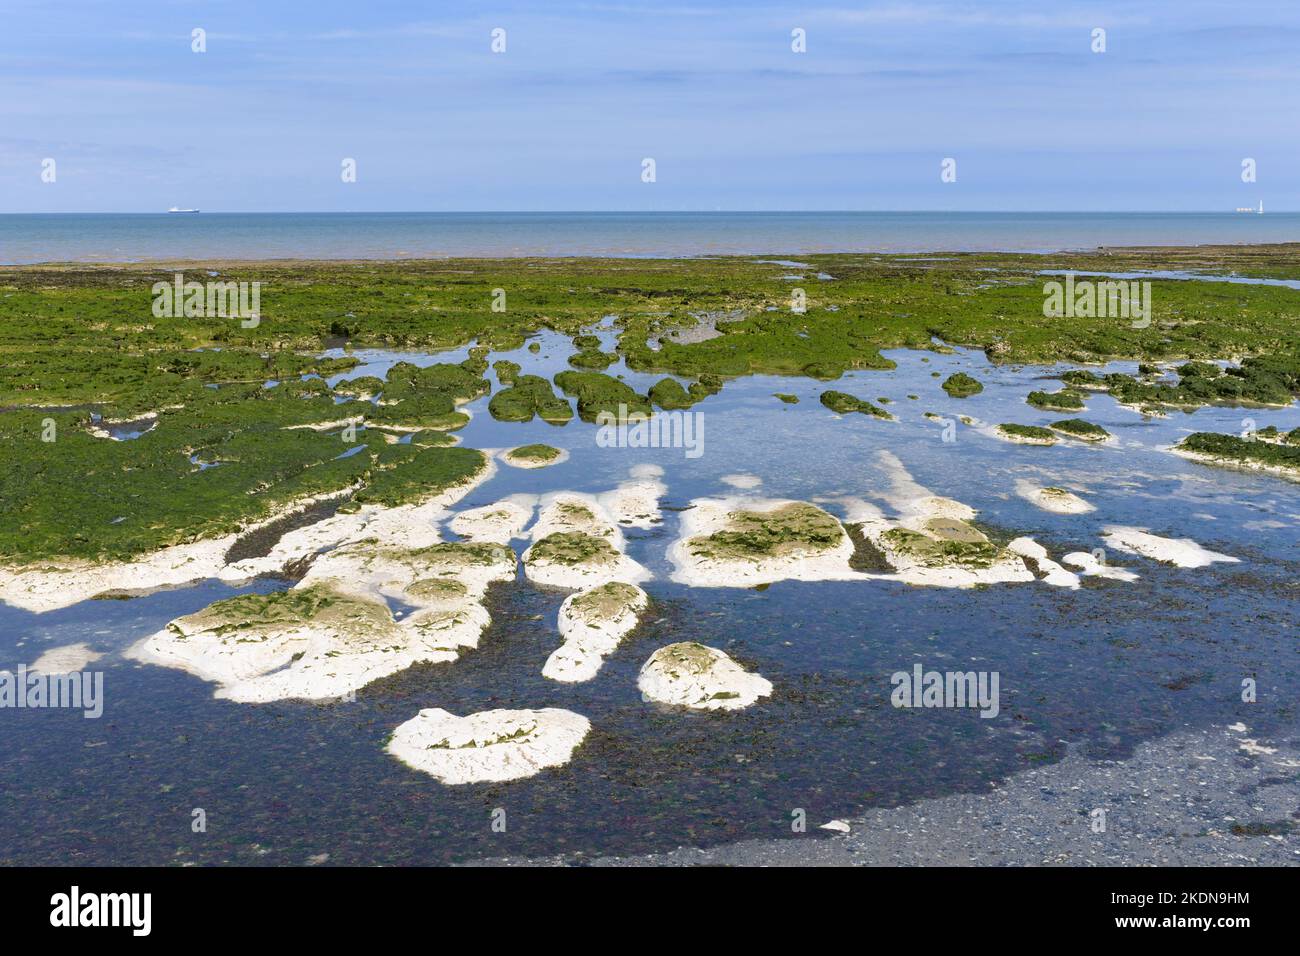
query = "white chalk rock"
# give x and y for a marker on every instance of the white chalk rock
(703, 678)
(499, 522)
(1053, 573)
(333, 632)
(592, 623)
(490, 746)
(1183, 552)
(746, 541)
(1056, 500)
(1090, 566)
(577, 545)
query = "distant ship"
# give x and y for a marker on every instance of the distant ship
(1259, 211)
(178, 209)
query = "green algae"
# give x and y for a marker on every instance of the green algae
(787, 398)
(407, 474)
(431, 590)
(262, 616)
(530, 396)
(607, 602)
(942, 552)
(1232, 449)
(751, 535)
(83, 338)
(1078, 428)
(668, 393)
(535, 453)
(1259, 380)
(1062, 401)
(454, 557)
(507, 371)
(844, 404)
(961, 385)
(366, 386)
(600, 394)
(1032, 432)
(572, 548)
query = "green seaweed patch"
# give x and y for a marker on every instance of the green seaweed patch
(452, 557)
(534, 453)
(688, 658)
(507, 371)
(431, 590)
(1272, 379)
(843, 403)
(1062, 401)
(599, 394)
(668, 393)
(1083, 378)
(572, 548)
(942, 552)
(261, 616)
(1232, 449)
(752, 535)
(1033, 433)
(409, 474)
(787, 398)
(961, 385)
(607, 602)
(366, 386)
(529, 396)
(1078, 428)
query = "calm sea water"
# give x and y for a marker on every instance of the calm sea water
(31, 238)
(1100, 669)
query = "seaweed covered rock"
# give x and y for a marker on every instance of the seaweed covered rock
(743, 542)
(692, 675)
(603, 395)
(1271, 379)
(961, 385)
(534, 456)
(1025, 434)
(507, 371)
(1234, 451)
(843, 403)
(577, 545)
(935, 544)
(498, 522)
(364, 387)
(1080, 429)
(1056, 500)
(592, 622)
(333, 632)
(1062, 401)
(529, 396)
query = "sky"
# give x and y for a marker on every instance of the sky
(583, 93)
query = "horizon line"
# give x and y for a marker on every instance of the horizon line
(651, 212)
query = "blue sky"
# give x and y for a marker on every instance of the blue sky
(584, 91)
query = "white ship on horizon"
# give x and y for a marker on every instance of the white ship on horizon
(179, 209)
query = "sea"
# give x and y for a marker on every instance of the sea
(136, 237)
